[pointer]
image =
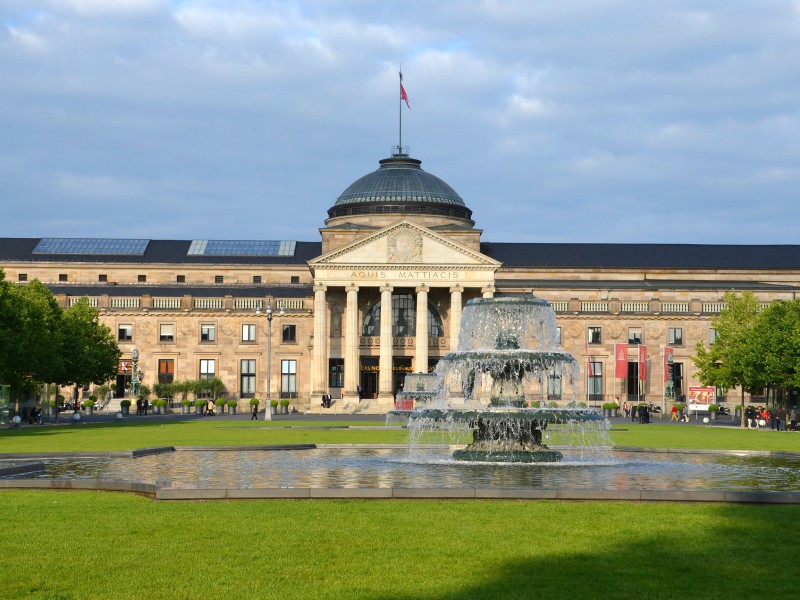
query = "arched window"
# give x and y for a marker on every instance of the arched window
(404, 318)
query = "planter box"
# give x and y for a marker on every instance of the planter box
(712, 416)
(185, 410)
(231, 410)
(284, 410)
(89, 410)
(273, 410)
(125, 410)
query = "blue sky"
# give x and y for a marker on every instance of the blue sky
(581, 121)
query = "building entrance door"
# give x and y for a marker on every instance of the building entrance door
(369, 377)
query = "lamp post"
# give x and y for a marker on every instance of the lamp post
(135, 375)
(268, 407)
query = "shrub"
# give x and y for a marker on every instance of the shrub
(610, 406)
(125, 403)
(713, 408)
(254, 401)
(273, 403)
(232, 403)
(88, 403)
(186, 402)
(199, 402)
(284, 402)
(220, 401)
(679, 406)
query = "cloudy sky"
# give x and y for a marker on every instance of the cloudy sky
(579, 121)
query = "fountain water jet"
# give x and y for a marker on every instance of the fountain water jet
(507, 351)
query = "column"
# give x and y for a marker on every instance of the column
(351, 344)
(319, 359)
(455, 316)
(421, 341)
(488, 291)
(385, 362)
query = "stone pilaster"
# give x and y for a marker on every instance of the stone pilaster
(385, 363)
(319, 362)
(351, 337)
(455, 316)
(488, 291)
(421, 341)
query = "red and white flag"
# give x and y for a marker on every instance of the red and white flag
(403, 95)
(642, 363)
(621, 358)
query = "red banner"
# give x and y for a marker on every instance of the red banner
(642, 363)
(124, 367)
(668, 352)
(621, 358)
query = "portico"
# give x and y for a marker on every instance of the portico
(422, 275)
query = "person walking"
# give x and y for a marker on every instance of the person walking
(674, 413)
(254, 412)
(626, 410)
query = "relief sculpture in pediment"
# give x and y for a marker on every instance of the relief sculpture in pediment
(404, 245)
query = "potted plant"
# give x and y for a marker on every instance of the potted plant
(199, 406)
(53, 408)
(680, 407)
(610, 409)
(284, 406)
(220, 404)
(273, 407)
(232, 404)
(88, 405)
(186, 406)
(125, 406)
(713, 411)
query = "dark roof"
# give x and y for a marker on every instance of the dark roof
(172, 290)
(158, 251)
(640, 284)
(644, 256)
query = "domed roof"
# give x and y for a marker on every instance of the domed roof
(400, 185)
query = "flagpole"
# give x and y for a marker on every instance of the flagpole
(400, 112)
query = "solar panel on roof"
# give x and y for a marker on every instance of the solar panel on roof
(241, 248)
(90, 246)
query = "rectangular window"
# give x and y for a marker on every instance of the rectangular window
(713, 334)
(180, 279)
(62, 277)
(675, 336)
(248, 332)
(166, 370)
(166, 332)
(295, 279)
(102, 278)
(22, 277)
(677, 379)
(558, 336)
(248, 377)
(207, 368)
(635, 335)
(219, 279)
(336, 372)
(594, 335)
(125, 333)
(256, 278)
(553, 386)
(289, 334)
(208, 333)
(142, 278)
(596, 382)
(288, 379)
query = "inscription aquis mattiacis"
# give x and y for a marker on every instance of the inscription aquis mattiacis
(414, 275)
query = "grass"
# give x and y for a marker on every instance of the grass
(126, 436)
(105, 545)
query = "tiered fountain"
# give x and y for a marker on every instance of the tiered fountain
(500, 382)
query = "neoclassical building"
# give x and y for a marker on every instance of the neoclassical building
(381, 295)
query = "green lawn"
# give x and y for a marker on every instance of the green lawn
(129, 435)
(105, 545)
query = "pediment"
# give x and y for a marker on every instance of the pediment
(403, 245)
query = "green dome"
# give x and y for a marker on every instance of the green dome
(400, 186)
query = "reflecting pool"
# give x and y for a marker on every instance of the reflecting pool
(435, 468)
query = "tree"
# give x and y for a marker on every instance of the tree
(775, 346)
(88, 348)
(727, 363)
